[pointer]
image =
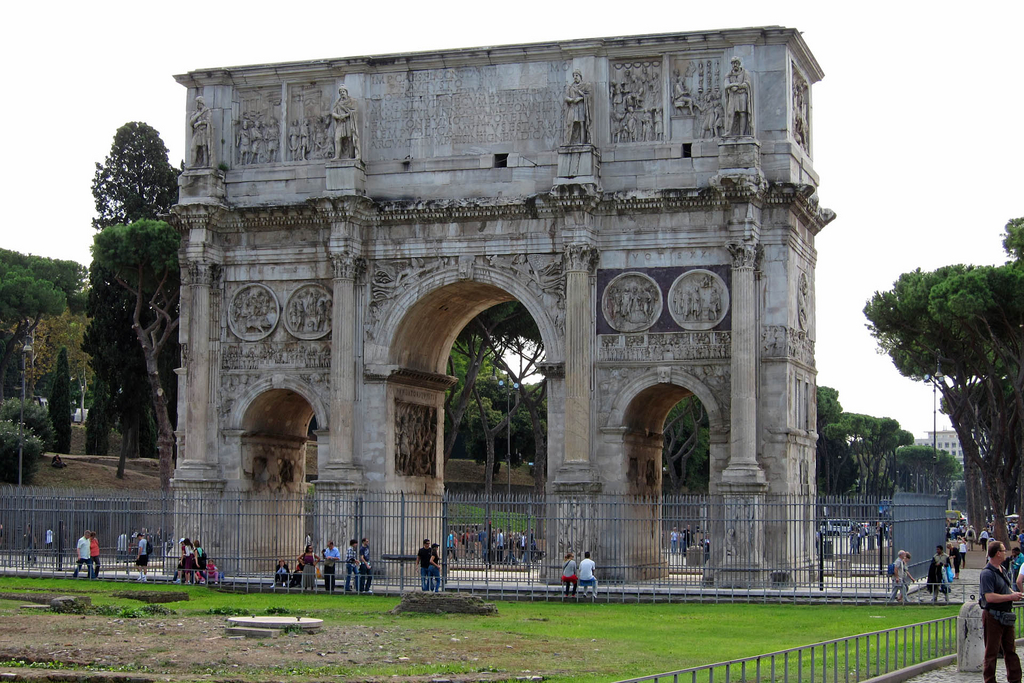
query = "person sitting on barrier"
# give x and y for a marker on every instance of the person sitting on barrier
(587, 579)
(281, 575)
(569, 577)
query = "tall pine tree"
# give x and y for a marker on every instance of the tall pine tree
(60, 404)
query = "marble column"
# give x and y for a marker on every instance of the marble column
(581, 260)
(340, 466)
(743, 468)
(199, 460)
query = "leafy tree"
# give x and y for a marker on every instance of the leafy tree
(143, 257)
(969, 320)
(32, 287)
(64, 332)
(60, 404)
(873, 442)
(686, 447)
(31, 449)
(836, 470)
(135, 181)
(937, 468)
(37, 419)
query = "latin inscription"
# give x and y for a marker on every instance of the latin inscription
(422, 110)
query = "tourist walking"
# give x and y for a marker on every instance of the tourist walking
(142, 557)
(352, 565)
(423, 556)
(435, 567)
(84, 553)
(309, 562)
(588, 582)
(365, 570)
(332, 556)
(569, 577)
(997, 598)
(963, 557)
(901, 578)
(94, 554)
(937, 574)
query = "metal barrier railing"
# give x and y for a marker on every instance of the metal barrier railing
(764, 548)
(845, 660)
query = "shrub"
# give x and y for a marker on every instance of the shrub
(37, 419)
(9, 454)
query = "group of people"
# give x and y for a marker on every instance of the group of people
(574, 576)
(193, 565)
(307, 571)
(498, 546)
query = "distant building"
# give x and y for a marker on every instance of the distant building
(945, 440)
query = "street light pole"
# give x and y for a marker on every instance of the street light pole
(26, 349)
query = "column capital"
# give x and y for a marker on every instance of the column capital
(581, 257)
(745, 254)
(202, 273)
(347, 267)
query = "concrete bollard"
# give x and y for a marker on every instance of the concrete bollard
(970, 638)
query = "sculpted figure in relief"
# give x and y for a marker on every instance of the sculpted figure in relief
(578, 111)
(681, 96)
(632, 302)
(739, 100)
(803, 289)
(200, 123)
(415, 439)
(345, 129)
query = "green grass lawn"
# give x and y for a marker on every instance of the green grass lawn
(563, 642)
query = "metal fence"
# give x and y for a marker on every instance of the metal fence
(670, 548)
(849, 660)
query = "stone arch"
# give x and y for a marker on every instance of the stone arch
(272, 422)
(639, 412)
(430, 315)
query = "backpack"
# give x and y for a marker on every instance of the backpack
(200, 558)
(891, 569)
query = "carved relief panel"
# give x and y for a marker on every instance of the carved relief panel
(801, 110)
(697, 97)
(254, 312)
(257, 129)
(698, 300)
(307, 315)
(635, 93)
(632, 302)
(310, 135)
(415, 439)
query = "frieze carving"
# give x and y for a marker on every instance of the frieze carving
(307, 315)
(580, 256)
(698, 300)
(415, 439)
(697, 95)
(801, 111)
(388, 277)
(274, 355)
(200, 123)
(309, 124)
(744, 254)
(631, 302)
(254, 312)
(683, 346)
(781, 341)
(636, 101)
(258, 128)
(803, 308)
(347, 267)
(578, 111)
(739, 101)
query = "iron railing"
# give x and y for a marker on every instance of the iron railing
(764, 548)
(846, 660)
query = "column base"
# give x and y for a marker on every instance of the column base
(195, 475)
(340, 478)
(743, 478)
(576, 478)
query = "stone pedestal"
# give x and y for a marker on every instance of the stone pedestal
(579, 165)
(200, 185)
(739, 166)
(737, 538)
(346, 176)
(970, 638)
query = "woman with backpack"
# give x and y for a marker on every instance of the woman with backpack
(200, 561)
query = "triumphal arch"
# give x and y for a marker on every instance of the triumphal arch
(650, 200)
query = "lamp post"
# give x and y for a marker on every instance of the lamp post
(934, 379)
(26, 349)
(508, 429)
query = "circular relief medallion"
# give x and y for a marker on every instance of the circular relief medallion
(698, 300)
(307, 315)
(254, 312)
(631, 302)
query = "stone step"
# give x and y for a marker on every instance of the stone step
(250, 632)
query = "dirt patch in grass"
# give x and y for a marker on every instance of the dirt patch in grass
(98, 472)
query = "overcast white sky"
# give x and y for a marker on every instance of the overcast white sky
(917, 124)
